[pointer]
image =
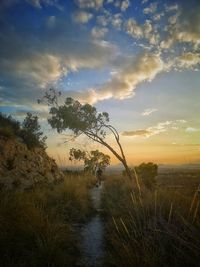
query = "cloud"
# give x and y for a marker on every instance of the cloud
(184, 29)
(99, 32)
(107, 19)
(38, 58)
(82, 16)
(161, 127)
(151, 8)
(169, 8)
(41, 68)
(39, 3)
(89, 4)
(133, 28)
(191, 130)
(137, 133)
(158, 16)
(124, 5)
(188, 60)
(148, 111)
(30, 64)
(103, 20)
(144, 2)
(35, 3)
(117, 21)
(123, 83)
(173, 19)
(142, 31)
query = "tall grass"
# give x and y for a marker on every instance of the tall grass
(160, 228)
(36, 227)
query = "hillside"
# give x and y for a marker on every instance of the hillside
(22, 166)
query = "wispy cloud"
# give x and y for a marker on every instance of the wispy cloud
(30, 64)
(159, 128)
(123, 83)
(138, 31)
(33, 60)
(149, 111)
(40, 3)
(192, 130)
(124, 5)
(144, 133)
(169, 8)
(89, 4)
(82, 16)
(188, 60)
(151, 8)
(99, 32)
(185, 29)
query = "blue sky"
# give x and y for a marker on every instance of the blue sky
(139, 60)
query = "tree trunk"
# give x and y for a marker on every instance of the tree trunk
(127, 169)
(120, 158)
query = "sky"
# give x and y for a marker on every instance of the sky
(137, 60)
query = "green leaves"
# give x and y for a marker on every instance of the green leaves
(83, 119)
(77, 154)
(74, 116)
(92, 160)
(30, 132)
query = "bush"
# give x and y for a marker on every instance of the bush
(30, 132)
(9, 127)
(7, 132)
(147, 172)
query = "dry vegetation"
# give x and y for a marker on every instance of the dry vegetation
(160, 228)
(37, 227)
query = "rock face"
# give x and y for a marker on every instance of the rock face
(22, 168)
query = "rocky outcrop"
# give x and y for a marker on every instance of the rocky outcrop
(23, 168)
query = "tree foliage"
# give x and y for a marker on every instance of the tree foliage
(147, 172)
(9, 127)
(93, 160)
(31, 132)
(83, 119)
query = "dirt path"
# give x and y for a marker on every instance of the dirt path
(92, 235)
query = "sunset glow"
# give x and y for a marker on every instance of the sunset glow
(137, 60)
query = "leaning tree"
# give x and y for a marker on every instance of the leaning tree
(83, 119)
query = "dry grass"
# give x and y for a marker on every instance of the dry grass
(37, 226)
(160, 228)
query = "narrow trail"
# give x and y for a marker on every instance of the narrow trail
(92, 235)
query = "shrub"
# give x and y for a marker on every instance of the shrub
(9, 127)
(30, 132)
(7, 132)
(147, 172)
